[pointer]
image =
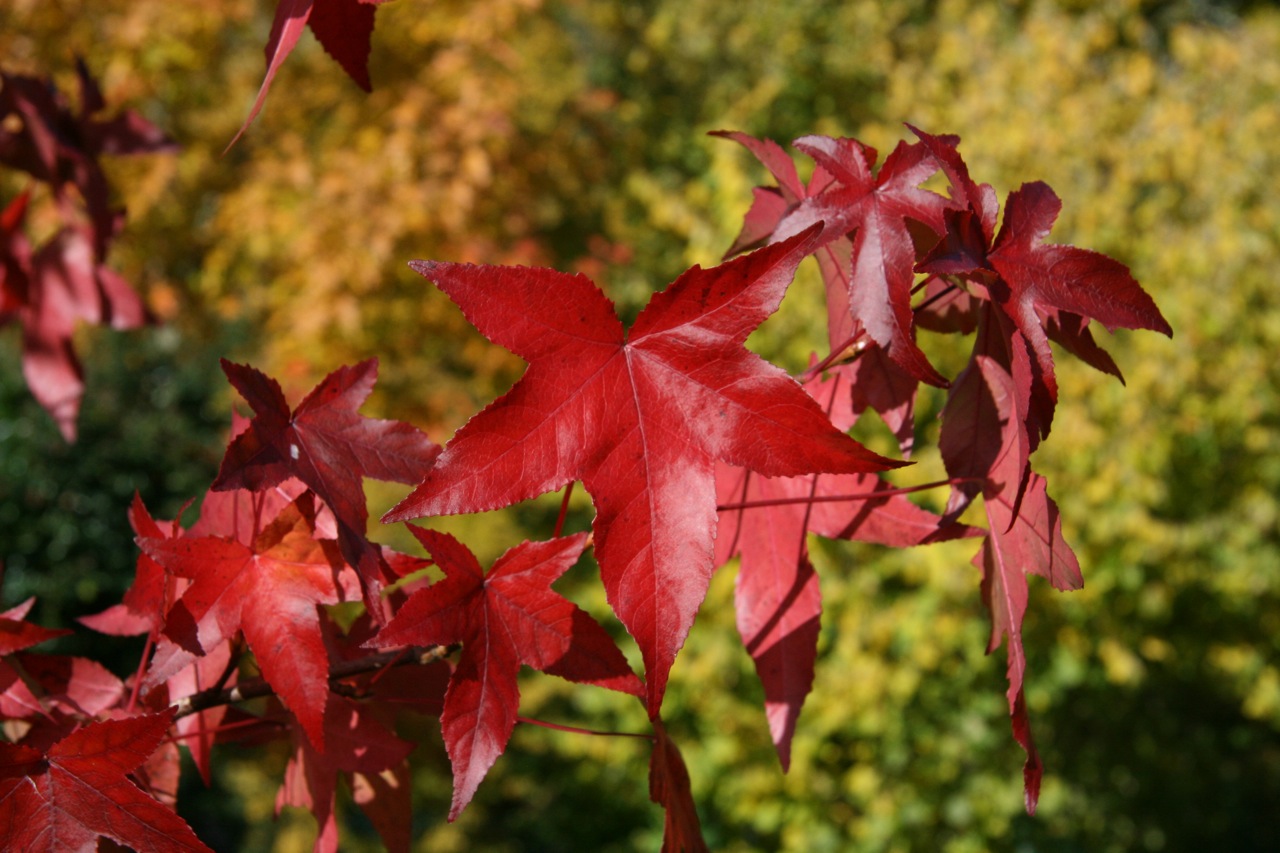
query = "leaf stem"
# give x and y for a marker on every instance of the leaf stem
(142, 666)
(852, 496)
(836, 353)
(564, 510)
(580, 731)
(256, 688)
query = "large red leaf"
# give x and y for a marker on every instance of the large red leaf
(639, 417)
(269, 591)
(504, 619)
(66, 798)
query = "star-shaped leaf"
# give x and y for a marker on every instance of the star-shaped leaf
(68, 797)
(504, 619)
(270, 591)
(327, 445)
(640, 417)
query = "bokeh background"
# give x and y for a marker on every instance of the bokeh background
(572, 133)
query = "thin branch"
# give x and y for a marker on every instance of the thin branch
(256, 688)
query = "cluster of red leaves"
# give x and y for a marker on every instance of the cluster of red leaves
(48, 289)
(1010, 289)
(694, 451)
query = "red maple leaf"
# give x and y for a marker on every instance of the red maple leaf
(357, 746)
(669, 788)
(503, 619)
(66, 798)
(59, 147)
(326, 444)
(765, 520)
(270, 591)
(48, 292)
(153, 591)
(868, 278)
(343, 28)
(17, 634)
(874, 211)
(640, 417)
(1036, 276)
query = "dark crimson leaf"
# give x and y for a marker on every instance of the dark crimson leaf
(639, 417)
(1029, 541)
(1065, 278)
(343, 28)
(504, 619)
(355, 743)
(17, 634)
(34, 686)
(327, 445)
(66, 798)
(669, 788)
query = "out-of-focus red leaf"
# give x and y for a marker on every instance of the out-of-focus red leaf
(343, 28)
(65, 798)
(639, 417)
(503, 619)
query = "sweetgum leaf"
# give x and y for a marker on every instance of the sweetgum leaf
(1065, 278)
(874, 211)
(669, 787)
(639, 417)
(327, 445)
(66, 798)
(343, 28)
(777, 597)
(503, 619)
(270, 591)
(354, 743)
